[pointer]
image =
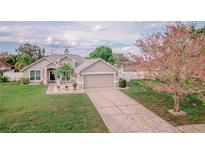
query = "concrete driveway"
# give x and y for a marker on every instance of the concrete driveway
(122, 114)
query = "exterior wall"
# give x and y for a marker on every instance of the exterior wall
(38, 66)
(131, 75)
(13, 75)
(80, 81)
(67, 60)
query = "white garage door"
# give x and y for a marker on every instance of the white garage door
(98, 81)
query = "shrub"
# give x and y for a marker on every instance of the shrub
(16, 70)
(3, 78)
(40, 82)
(122, 83)
(75, 84)
(24, 80)
(192, 98)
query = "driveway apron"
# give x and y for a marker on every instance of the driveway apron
(122, 114)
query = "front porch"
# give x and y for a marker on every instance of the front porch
(49, 77)
(54, 89)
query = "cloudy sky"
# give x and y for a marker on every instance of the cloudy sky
(78, 37)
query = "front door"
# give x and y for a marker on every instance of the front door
(52, 76)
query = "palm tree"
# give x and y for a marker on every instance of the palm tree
(64, 70)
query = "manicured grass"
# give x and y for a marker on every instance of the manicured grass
(160, 103)
(26, 108)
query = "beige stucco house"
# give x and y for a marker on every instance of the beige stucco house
(88, 73)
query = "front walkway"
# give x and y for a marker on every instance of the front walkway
(121, 113)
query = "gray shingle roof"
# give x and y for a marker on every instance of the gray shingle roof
(79, 60)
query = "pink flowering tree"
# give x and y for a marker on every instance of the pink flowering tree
(176, 57)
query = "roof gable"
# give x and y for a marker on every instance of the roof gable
(44, 58)
(91, 62)
(64, 56)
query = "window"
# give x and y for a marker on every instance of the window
(38, 75)
(35, 75)
(32, 75)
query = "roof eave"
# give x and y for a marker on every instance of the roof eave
(37, 62)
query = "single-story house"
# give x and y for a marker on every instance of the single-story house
(4, 66)
(88, 73)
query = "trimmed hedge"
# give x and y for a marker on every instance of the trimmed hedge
(24, 80)
(3, 78)
(40, 82)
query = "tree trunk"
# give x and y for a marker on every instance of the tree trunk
(176, 103)
(58, 81)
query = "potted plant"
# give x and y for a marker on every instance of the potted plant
(66, 87)
(75, 84)
(58, 87)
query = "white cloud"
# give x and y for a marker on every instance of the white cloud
(69, 36)
(64, 39)
(98, 28)
(125, 50)
(49, 40)
(71, 39)
(3, 28)
(156, 25)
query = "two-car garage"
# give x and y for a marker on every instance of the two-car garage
(99, 81)
(96, 73)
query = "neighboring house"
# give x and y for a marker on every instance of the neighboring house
(4, 66)
(88, 73)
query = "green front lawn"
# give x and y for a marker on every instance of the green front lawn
(160, 103)
(26, 108)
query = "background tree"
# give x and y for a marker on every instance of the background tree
(178, 58)
(104, 53)
(32, 50)
(22, 61)
(198, 31)
(8, 57)
(120, 59)
(4, 55)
